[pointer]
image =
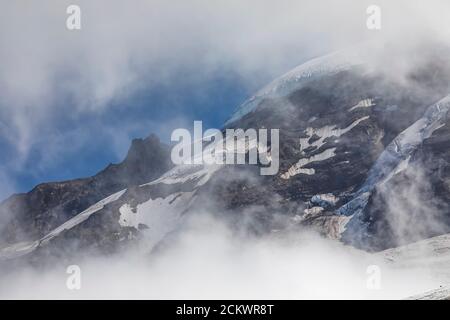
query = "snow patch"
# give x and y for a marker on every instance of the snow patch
(160, 215)
(82, 216)
(18, 249)
(324, 200)
(23, 248)
(298, 167)
(366, 103)
(322, 134)
(312, 211)
(326, 132)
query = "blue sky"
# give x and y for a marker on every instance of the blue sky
(71, 101)
(211, 101)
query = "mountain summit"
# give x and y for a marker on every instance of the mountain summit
(31, 215)
(364, 149)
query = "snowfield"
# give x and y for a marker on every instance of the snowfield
(294, 79)
(431, 255)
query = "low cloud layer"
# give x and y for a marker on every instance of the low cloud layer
(209, 261)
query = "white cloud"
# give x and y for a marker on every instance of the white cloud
(209, 261)
(48, 70)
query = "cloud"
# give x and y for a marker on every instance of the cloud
(207, 260)
(49, 73)
(412, 208)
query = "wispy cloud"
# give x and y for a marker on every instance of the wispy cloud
(48, 71)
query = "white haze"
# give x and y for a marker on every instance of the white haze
(209, 261)
(412, 210)
(47, 71)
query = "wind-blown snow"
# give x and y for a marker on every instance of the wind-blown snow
(296, 78)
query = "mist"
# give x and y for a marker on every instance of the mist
(50, 76)
(48, 73)
(207, 260)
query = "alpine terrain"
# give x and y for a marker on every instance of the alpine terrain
(364, 154)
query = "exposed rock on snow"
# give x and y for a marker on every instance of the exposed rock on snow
(344, 130)
(322, 134)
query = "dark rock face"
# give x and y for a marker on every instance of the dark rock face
(326, 102)
(335, 130)
(354, 115)
(415, 203)
(48, 205)
(375, 109)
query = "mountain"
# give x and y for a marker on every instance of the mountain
(363, 159)
(31, 215)
(429, 254)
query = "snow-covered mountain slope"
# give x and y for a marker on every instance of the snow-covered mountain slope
(23, 248)
(133, 210)
(294, 79)
(153, 209)
(435, 250)
(346, 129)
(430, 256)
(442, 293)
(30, 216)
(392, 161)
